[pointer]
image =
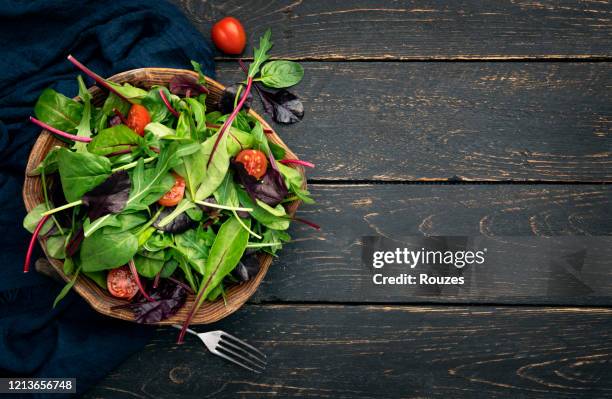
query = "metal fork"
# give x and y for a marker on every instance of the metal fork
(232, 349)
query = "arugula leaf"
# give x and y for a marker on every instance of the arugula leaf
(295, 182)
(198, 68)
(48, 165)
(114, 139)
(107, 248)
(80, 172)
(84, 127)
(260, 55)
(281, 74)
(148, 185)
(59, 111)
(66, 288)
(277, 237)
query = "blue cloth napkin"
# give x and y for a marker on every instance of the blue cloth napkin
(35, 38)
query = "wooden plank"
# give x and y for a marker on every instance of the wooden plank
(477, 121)
(419, 29)
(326, 265)
(385, 352)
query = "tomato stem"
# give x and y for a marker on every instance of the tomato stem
(59, 132)
(167, 103)
(41, 223)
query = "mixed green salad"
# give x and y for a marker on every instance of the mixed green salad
(154, 196)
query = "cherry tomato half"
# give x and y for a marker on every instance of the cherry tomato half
(229, 36)
(254, 161)
(121, 284)
(176, 193)
(138, 118)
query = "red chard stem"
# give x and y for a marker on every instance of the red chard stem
(59, 132)
(167, 103)
(138, 282)
(26, 265)
(98, 79)
(297, 162)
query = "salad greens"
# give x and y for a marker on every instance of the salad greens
(157, 195)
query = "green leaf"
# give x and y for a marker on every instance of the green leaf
(184, 127)
(33, 218)
(260, 55)
(112, 102)
(216, 171)
(226, 194)
(159, 130)
(66, 288)
(194, 246)
(198, 111)
(98, 278)
(278, 210)
(55, 246)
(80, 172)
(198, 68)
(107, 248)
(68, 266)
(193, 170)
(274, 237)
(49, 164)
(113, 139)
(261, 215)
(225, 253)
(128, 91)
(238, 140)
(148, 266)
(281, 74)
(295, 182)
(84, 127)
(59, 111)
(148, 185)
(169, 268)
(155, 105)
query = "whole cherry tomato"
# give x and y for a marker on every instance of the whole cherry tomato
(229, 36)
(176, 193)
(254, 161)
(121, 284)
(138, 118)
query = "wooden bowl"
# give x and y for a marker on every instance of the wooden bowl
(101, 300)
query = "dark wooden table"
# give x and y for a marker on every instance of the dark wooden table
(424, 117)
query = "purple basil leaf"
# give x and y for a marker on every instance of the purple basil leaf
(186, 85)
(247, 268)
(178, 225)
(108, 197)
(271, 189)
(284, 106)
(75, 242)
(226, 103)
(168, 298)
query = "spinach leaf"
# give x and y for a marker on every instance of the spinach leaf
(148, 265)
(217, 169)
(160, 130)
(80, 172)
(280, 74)
(107, 248)
(113, 102)
(59, 111)
(194, 245)
(261, 215)
(155, 105)
(55, 246)
(98, 278)
(225, 253)
(31, 220)
(126, 221)
(84, 127)
(114, 139)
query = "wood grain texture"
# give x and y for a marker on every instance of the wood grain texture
(326, 265)
(476, 121)
(419, 29)
(385, 352)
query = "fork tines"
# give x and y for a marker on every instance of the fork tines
(240, 353)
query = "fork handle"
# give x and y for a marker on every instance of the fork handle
(189, 330)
